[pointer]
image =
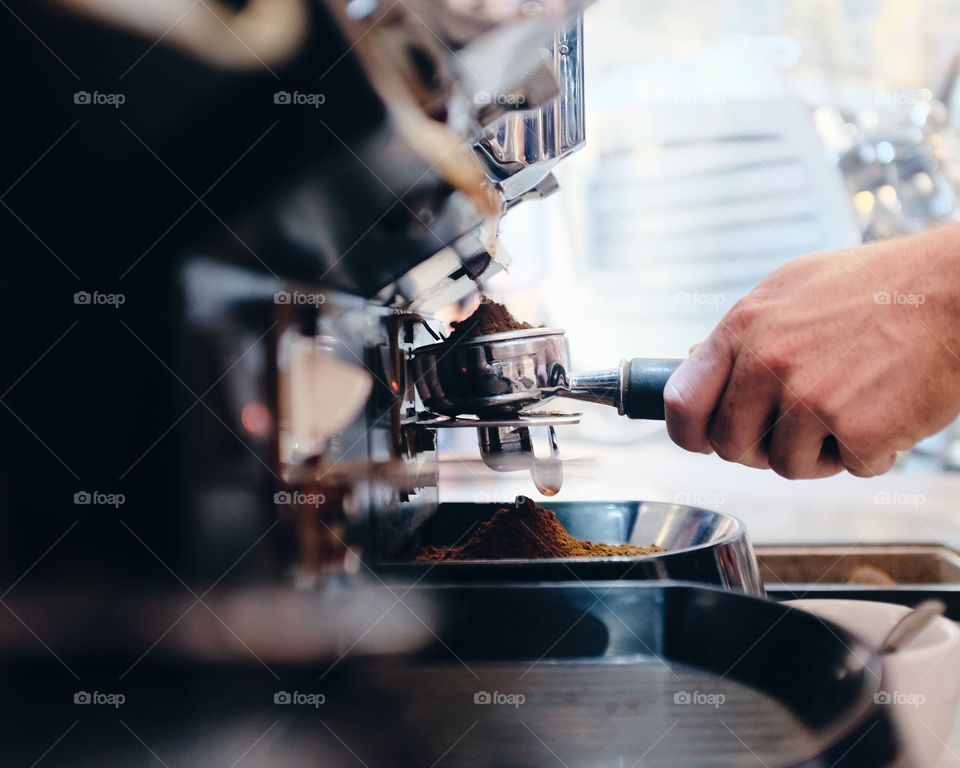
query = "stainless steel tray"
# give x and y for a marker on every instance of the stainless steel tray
(858, 566)
(701, 546)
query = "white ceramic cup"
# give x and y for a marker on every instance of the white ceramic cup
(921, 681)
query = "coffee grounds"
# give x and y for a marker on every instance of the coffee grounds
(489, 317)
(528, 532)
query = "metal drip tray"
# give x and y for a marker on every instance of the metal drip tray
(860, 566)
(895, 573)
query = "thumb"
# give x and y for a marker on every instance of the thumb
(694, 391)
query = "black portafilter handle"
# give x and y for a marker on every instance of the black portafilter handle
(642, 381)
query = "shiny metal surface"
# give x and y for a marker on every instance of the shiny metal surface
(505, 449)
(495, 373)
(877, 567)
(604, 387)
(603, 675)
(701, 545)
(506, 372)
(522, 146)
(524, 419)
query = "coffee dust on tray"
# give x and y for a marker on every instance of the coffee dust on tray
(488, 317)
(527, 532)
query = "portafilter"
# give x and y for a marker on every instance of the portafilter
(500, 374)
(496, 379)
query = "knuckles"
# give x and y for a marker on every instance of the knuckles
(780, 463)
(723, 447)
(861, 435)
(741, 318)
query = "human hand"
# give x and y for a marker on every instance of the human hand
(834, 361)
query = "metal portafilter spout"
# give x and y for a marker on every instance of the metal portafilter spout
(507, 449)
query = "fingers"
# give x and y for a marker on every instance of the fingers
(867, 464)
(724, 399)
(801, 447)
(694, 391)
(739, 430)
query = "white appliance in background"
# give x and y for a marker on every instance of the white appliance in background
(685, 197)
(682, 211)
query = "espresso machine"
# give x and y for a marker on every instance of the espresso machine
(227, 226)
(226, 229)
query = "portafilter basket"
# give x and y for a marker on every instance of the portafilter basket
(504, 373)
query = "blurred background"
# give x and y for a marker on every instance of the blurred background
(725, 138)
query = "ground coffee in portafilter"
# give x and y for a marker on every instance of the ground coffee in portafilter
(489, 317)
(528, 532)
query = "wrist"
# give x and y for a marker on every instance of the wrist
(939, 271)
(935, 275)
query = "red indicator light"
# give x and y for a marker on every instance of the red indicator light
(256, 419)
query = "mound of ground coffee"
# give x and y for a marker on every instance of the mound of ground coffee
(526, 531)
(489, 317)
